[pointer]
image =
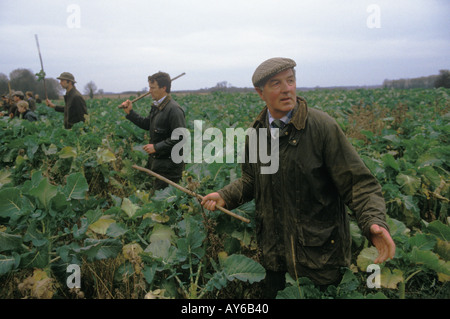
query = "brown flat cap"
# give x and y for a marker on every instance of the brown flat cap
(18, 93)
(67, 76)
(269, 68)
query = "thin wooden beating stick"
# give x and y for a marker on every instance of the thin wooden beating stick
(144, 95)
(181, 188)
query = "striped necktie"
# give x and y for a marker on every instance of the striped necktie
(278, 124)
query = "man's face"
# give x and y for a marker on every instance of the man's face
(156, 92)
(279, 93)
(64, 84)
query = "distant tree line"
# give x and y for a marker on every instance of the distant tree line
(25, 80)
(432, 81)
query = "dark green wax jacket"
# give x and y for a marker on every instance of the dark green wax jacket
(301, 221)
(74, 109)
(160, 123)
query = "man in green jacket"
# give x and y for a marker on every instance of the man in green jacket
(302, 226)
(75, 106)
(165, 116)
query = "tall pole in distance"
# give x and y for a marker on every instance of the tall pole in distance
(42, 73)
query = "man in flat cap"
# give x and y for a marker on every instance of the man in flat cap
(75, 105)
(17, 97)
(302, 226)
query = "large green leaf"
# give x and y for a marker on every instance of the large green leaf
(291, 292)
(39, 257)
(243, 268)
(409, 184)
(430, 176)
(34, 235)
(396, 227)
(128, 207)
(31, 145)
(68, 152)
(411, 210)
(44, 192)
(9, 241)
(439, 229)
(116, 230)
(390, 279)
(162, 249)
(192, 240)
(76, 186)
(422, 241)
(389, 161)
(96, 249)
(10, 203)
(431, 260)
(162, 232)
(101, 225)
(4, 177)
(366, 257)
(104, 155)
(7, 263)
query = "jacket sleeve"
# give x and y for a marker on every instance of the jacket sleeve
(77, 110)
(176, 120)
(59, 108)
(142, 122)
(241, 190)
(357, 186)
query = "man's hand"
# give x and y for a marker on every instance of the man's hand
(127, 106)
(212, 200)
(383, 242)
(49, 103)
(149, 148)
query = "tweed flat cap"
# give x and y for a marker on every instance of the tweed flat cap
(67, 76)
(269, 68)
(18, 93)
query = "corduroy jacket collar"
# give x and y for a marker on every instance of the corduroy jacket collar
(164, 102)
(298, 118)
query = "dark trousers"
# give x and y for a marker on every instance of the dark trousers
(274, 282)
(166, 168)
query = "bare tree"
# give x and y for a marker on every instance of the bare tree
(3, 83)
(25, 80)
(22, 80)
(443, 79)
(90, 89)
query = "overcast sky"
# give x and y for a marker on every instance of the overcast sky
(117, 44)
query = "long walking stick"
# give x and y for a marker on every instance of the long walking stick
(42, 73)
(181, 188)
(144, 95)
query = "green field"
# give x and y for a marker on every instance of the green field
(72, 197)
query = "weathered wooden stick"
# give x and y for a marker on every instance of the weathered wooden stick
(144, 95)
(42, 65)
(187, 191)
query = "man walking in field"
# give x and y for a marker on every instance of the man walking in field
(165, 116)
(302, 226)
(75, 106)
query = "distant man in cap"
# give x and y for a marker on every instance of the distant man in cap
(17, 97)
(165, 116)
(302, 226)
(75, 106)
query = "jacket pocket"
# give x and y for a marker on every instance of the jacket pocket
(161, 131)
(316, 244)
